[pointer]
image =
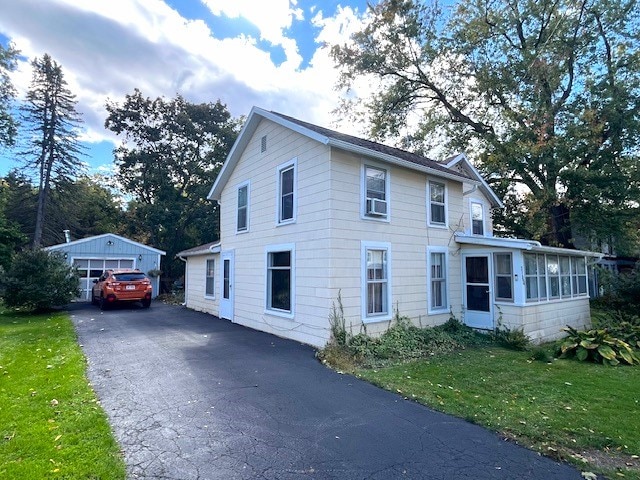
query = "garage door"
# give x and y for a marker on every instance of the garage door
(91, 268)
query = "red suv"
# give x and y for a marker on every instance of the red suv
(121, 286)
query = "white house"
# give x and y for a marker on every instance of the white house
(307, 213)
(93, 255)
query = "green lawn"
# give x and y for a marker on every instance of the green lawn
(51, 425)
(566, 409)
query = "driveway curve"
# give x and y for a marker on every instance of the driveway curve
(190, 396)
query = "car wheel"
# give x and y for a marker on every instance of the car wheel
(146, 303)
(104, 305)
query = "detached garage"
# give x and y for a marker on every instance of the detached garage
(93, 255)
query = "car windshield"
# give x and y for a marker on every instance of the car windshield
(129, 277)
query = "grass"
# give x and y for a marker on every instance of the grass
(51, 424)
(585, 413)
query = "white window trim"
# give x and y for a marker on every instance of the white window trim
(446, 204)
(548, 298)
(206, 295)
(506, 301)
(283, 247)
(445, 307)
(364, 246)
(285, 166)
(484, 217)
(248, 185)
(363, 191)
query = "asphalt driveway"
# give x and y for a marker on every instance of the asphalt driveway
(190, 396)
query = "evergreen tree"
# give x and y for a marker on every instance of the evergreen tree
(8, 127)
(52, 121)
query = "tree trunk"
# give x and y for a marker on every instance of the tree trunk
(560, 226)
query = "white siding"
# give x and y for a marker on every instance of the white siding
(195, 284)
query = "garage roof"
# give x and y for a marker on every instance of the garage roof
(66, 245)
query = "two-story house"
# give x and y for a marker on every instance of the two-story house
(307, 213)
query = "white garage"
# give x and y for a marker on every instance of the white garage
(93, 255)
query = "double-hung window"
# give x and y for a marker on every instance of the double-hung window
(287, 192)
(477, 218)
(376, 189)
(376, 281)
(504, 277)
(437, 204)
(437, 278)
(280, 279)
(209, 278)
(242, 217)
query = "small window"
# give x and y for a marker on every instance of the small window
(565, 277)
(242, 220)
(209, 278)
(437, 204)
(579, 269)
(376, 198)
(504, 277)
(553, 273)
(279, 281)
(437, 281)
(531, 276)
(477, 218)
(286, 193)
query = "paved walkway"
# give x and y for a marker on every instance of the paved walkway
(193, 397)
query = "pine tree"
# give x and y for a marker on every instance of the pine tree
(52, 122)
(8, 125)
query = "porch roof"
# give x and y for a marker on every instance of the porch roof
(521, 244)
(206, 249)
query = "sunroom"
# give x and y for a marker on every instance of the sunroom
(521, 284)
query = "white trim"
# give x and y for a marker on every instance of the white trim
(363, 191)
(478, 201)
(364, 246)
(520, 244)
(283, 247)
(246, 184)
(445, 307)
(446, 204)
(62, 246)
(484, 186)
(213, 295)
(293, 163)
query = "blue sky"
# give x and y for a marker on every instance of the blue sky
(244, 52)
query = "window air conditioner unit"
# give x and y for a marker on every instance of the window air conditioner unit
(376, 206)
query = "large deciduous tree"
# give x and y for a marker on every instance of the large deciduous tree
(546, 93)
(52, 122)
(8, 126)
(171, 154)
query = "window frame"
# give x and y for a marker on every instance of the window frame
(444, 280)
(497, 274)
(363, 191)
(268, 309)
(246, 185)
(367, 246)
(567, 277)
(472, 202)
(211, 295)
(282, 168)
(444, 204)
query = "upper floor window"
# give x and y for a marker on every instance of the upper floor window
(287, 192)
(477, 218)
(242, 218)
(437, 204)
(376, 192)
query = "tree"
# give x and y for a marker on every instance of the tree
(10, 236)
(8, 126)
(38, 280)
(169, 160)
(546, 92)
(53, 146)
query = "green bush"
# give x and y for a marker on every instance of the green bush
(620, 324)
(620, 291)
(38, 280)
(597, 346)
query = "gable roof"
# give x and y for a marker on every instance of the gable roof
(326, 136)
(61, 246)
(462, 160)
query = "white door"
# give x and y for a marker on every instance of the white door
(477, 291)
(226, 299)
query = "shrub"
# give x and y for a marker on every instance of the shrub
(620, 324)
(620, 291)
(597, 346)
(38, 280)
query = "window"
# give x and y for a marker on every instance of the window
(551, 277)
(565, 277)
(579, 271)
(279, 272)
(553, 272)
(242, 220)
(531, 276)
(286, 193)
(376, 296)
(477, 218)
(376, 184)
(437, 278)
(504, 276)
(209, 279)
(437, 204)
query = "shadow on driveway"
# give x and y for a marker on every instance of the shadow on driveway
(190, 396)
